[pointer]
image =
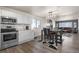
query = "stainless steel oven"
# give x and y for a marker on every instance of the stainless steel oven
(9, 39)
(9, 36)
(9, 33)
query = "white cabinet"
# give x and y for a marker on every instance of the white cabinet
(25, 36)
(21, 17)
(24, 19)
(9, 13)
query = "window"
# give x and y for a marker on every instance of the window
(38, 23)
(35, 23)
(65, 24)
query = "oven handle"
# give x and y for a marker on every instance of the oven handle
(9, 33)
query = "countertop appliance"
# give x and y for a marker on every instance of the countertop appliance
(9, 34)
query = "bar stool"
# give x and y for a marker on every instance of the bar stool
(58, 38)
(46, 34)
(52, 40)
(42, 35)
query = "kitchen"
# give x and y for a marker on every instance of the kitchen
(22, 25)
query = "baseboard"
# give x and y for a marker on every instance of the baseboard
(24, 41)
(37, 36)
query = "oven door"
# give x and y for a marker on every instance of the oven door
(6, 37)
(9, 39)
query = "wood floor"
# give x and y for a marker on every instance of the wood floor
(70, 45)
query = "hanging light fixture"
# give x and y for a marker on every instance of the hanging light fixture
(50, 17)
(49, 20)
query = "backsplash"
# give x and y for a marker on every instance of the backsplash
(23, 27)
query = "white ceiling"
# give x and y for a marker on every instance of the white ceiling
(42, 11)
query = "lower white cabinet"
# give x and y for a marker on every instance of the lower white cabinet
(25, 36)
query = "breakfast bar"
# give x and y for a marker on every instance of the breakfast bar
(53, 37)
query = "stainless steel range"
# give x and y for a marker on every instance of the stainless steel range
(9, 33)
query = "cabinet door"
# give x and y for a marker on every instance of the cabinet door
(25, 36)
(20, 18)
(9, 13)
(27, 19)
(24, 19)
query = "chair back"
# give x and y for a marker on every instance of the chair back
(46, 31)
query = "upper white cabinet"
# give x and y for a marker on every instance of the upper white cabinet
(21, 17)
(24, 19)
(9, 13)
